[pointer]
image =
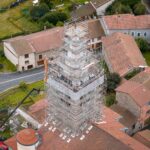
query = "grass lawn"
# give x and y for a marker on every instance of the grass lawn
(11, 97)
(7, 65)
(5, 3)
(13, 22)
(147, 57)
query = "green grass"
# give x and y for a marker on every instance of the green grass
(147, 57)
(5, 3)
(14, 96)
(13, 22)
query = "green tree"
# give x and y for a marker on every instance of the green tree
(23, 86)
(110, 100)
(113, 80)
(49, 3)
(37, 12)
(139, 9)
(142, 44)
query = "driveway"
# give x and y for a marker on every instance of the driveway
(10, 80)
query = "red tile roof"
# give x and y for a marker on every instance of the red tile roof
(27, 137)
(122, 53)
(127, 21)
(114, 128)
(38, 42)
(138, 88)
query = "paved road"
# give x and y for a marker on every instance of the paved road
(10, 80)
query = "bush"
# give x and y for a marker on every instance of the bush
(37, 12)
(142, 44)
(2, 54)
(23, 86)
(54, 17)
(139, 9)
(132, 74)
(1, 66)
(113, 81)
(48, 3)
(110, 100)
(59, 23)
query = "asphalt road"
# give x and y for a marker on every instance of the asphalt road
(11, 80)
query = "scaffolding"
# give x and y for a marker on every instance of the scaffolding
(74, 84)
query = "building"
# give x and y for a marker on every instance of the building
(143, 137)
(121, 53)
(107, 135)
(134, 95)
(75, 82)
(101, 5)
(137, 26)
(92, 9)
(27, 52)
(96, 33)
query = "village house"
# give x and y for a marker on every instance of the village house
(134, 95)
(27, 52)
(137, 26)
(92, 9)
(121, 53)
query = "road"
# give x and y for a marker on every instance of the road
(10, 80)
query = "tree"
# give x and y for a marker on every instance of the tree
(54, 17)
(142, 44)
(113, 80)
(139, 9)
(110, 100)
(23, 86)
(49, 3)
(37, 12)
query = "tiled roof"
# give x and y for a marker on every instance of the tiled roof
(122, 53)
(83, 11)
(138, 88)
(101, 137)
(115, 129)
(37, 42)
(98, 3)
(27, 137)
(127, 21)
(95, 29)
(143, 137)
(49, 39)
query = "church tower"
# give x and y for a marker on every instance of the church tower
(75, 82)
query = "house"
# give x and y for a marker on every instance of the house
(121, 53)
(91, 9)
(137, 26)
(97, 137)
(27, 52)
(134, 95)
(101, 5)
(96, 32)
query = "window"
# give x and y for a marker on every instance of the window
(132, 33)
(40, 56)
(26, 55)
(145, 34)
(27, 62)
(138, 34)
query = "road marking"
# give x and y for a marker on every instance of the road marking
(21, 77)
